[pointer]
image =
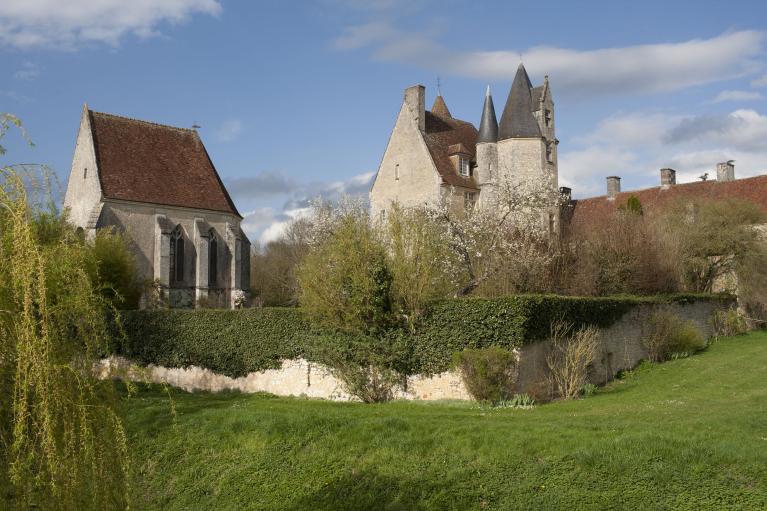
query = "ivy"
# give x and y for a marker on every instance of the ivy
(236, 342)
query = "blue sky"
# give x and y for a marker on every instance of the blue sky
(296, 99)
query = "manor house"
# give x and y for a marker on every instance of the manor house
(431, 156)
(157, 184)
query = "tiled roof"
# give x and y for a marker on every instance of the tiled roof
(517, 120)
(440, 107)
(587, 211)
(147, 162)
(443, 132)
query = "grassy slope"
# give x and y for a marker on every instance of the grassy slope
(688, 434)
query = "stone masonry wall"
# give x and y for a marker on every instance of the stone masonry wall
(621, 349)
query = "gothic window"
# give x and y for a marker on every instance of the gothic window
(177, 255)
(464, 166)
(212, 258)
(469, 199)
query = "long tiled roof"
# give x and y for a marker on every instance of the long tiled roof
(587, 211)
(443, 132)
(147, 162)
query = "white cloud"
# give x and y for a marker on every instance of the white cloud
(737, 95)
(68, 24)
(28, 71)
(268, 224)
(647, 68)
(229, 130)
(760, 82)
(636, 145)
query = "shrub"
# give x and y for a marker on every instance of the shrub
(589, 389)
(488, 373)
(518, 401)
(369, 368)
(728, 322)
(569, 357)
(667, 334)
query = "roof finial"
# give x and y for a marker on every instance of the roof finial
(487, 92)
(439, 87)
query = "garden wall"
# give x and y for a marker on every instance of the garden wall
(267, 350)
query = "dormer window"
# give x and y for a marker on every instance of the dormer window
(464, 166)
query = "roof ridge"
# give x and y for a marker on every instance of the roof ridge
(659, 187)
(125, 117)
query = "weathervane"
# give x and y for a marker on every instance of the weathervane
(439, 87)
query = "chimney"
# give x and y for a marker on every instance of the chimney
(725, 171)
(415, 98)
(613, 186)
(667, 178)
(566, 194)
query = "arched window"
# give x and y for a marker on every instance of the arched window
(177, 255)
(212, 258)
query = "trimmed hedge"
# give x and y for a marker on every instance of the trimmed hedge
(236, 342)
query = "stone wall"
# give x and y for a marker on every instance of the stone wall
(621, 349)
(83, 188)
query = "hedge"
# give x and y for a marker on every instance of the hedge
(236, 342)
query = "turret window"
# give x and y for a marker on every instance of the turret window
(549, 155)
(469, 199)
(547, 117)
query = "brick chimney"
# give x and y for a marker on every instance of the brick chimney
(667, 178)
(613, 186)
(725, 171)
(415, 98)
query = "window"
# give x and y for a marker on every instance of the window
(396, 172)
(177, 255)
(549, 155)
(464, 166)
(469, 199)
(85, 173)
(547, 116)
(212, 258)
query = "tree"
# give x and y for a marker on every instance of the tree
(63, 444)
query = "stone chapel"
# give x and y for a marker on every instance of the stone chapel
(158, 184)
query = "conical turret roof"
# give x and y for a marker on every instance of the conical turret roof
(488, 126)
(440, 108)
(517, 120)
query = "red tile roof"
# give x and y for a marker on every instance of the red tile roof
(147, 162)
(587, 211)
(443, 132)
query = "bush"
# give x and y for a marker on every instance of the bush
(488, 373)
(669, 335)
(728, 322)
(569, 358)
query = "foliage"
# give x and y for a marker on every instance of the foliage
(712, 240)
(518, 401)
(589, 389)
(236, 342)
(345, 280)
(728, 322)
(63, 444)
(687, 435)
(667, 335)
(419, 260)
(488, 373)
(274, 282)
(571, 353)
(114, 269)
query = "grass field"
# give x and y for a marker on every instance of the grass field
(688, 434)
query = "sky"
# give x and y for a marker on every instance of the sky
(297, 99)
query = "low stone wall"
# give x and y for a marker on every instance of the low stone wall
(621, 349)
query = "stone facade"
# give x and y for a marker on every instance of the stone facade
(209, 261)
(620, 349)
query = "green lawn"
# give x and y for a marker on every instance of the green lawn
(688, 434)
